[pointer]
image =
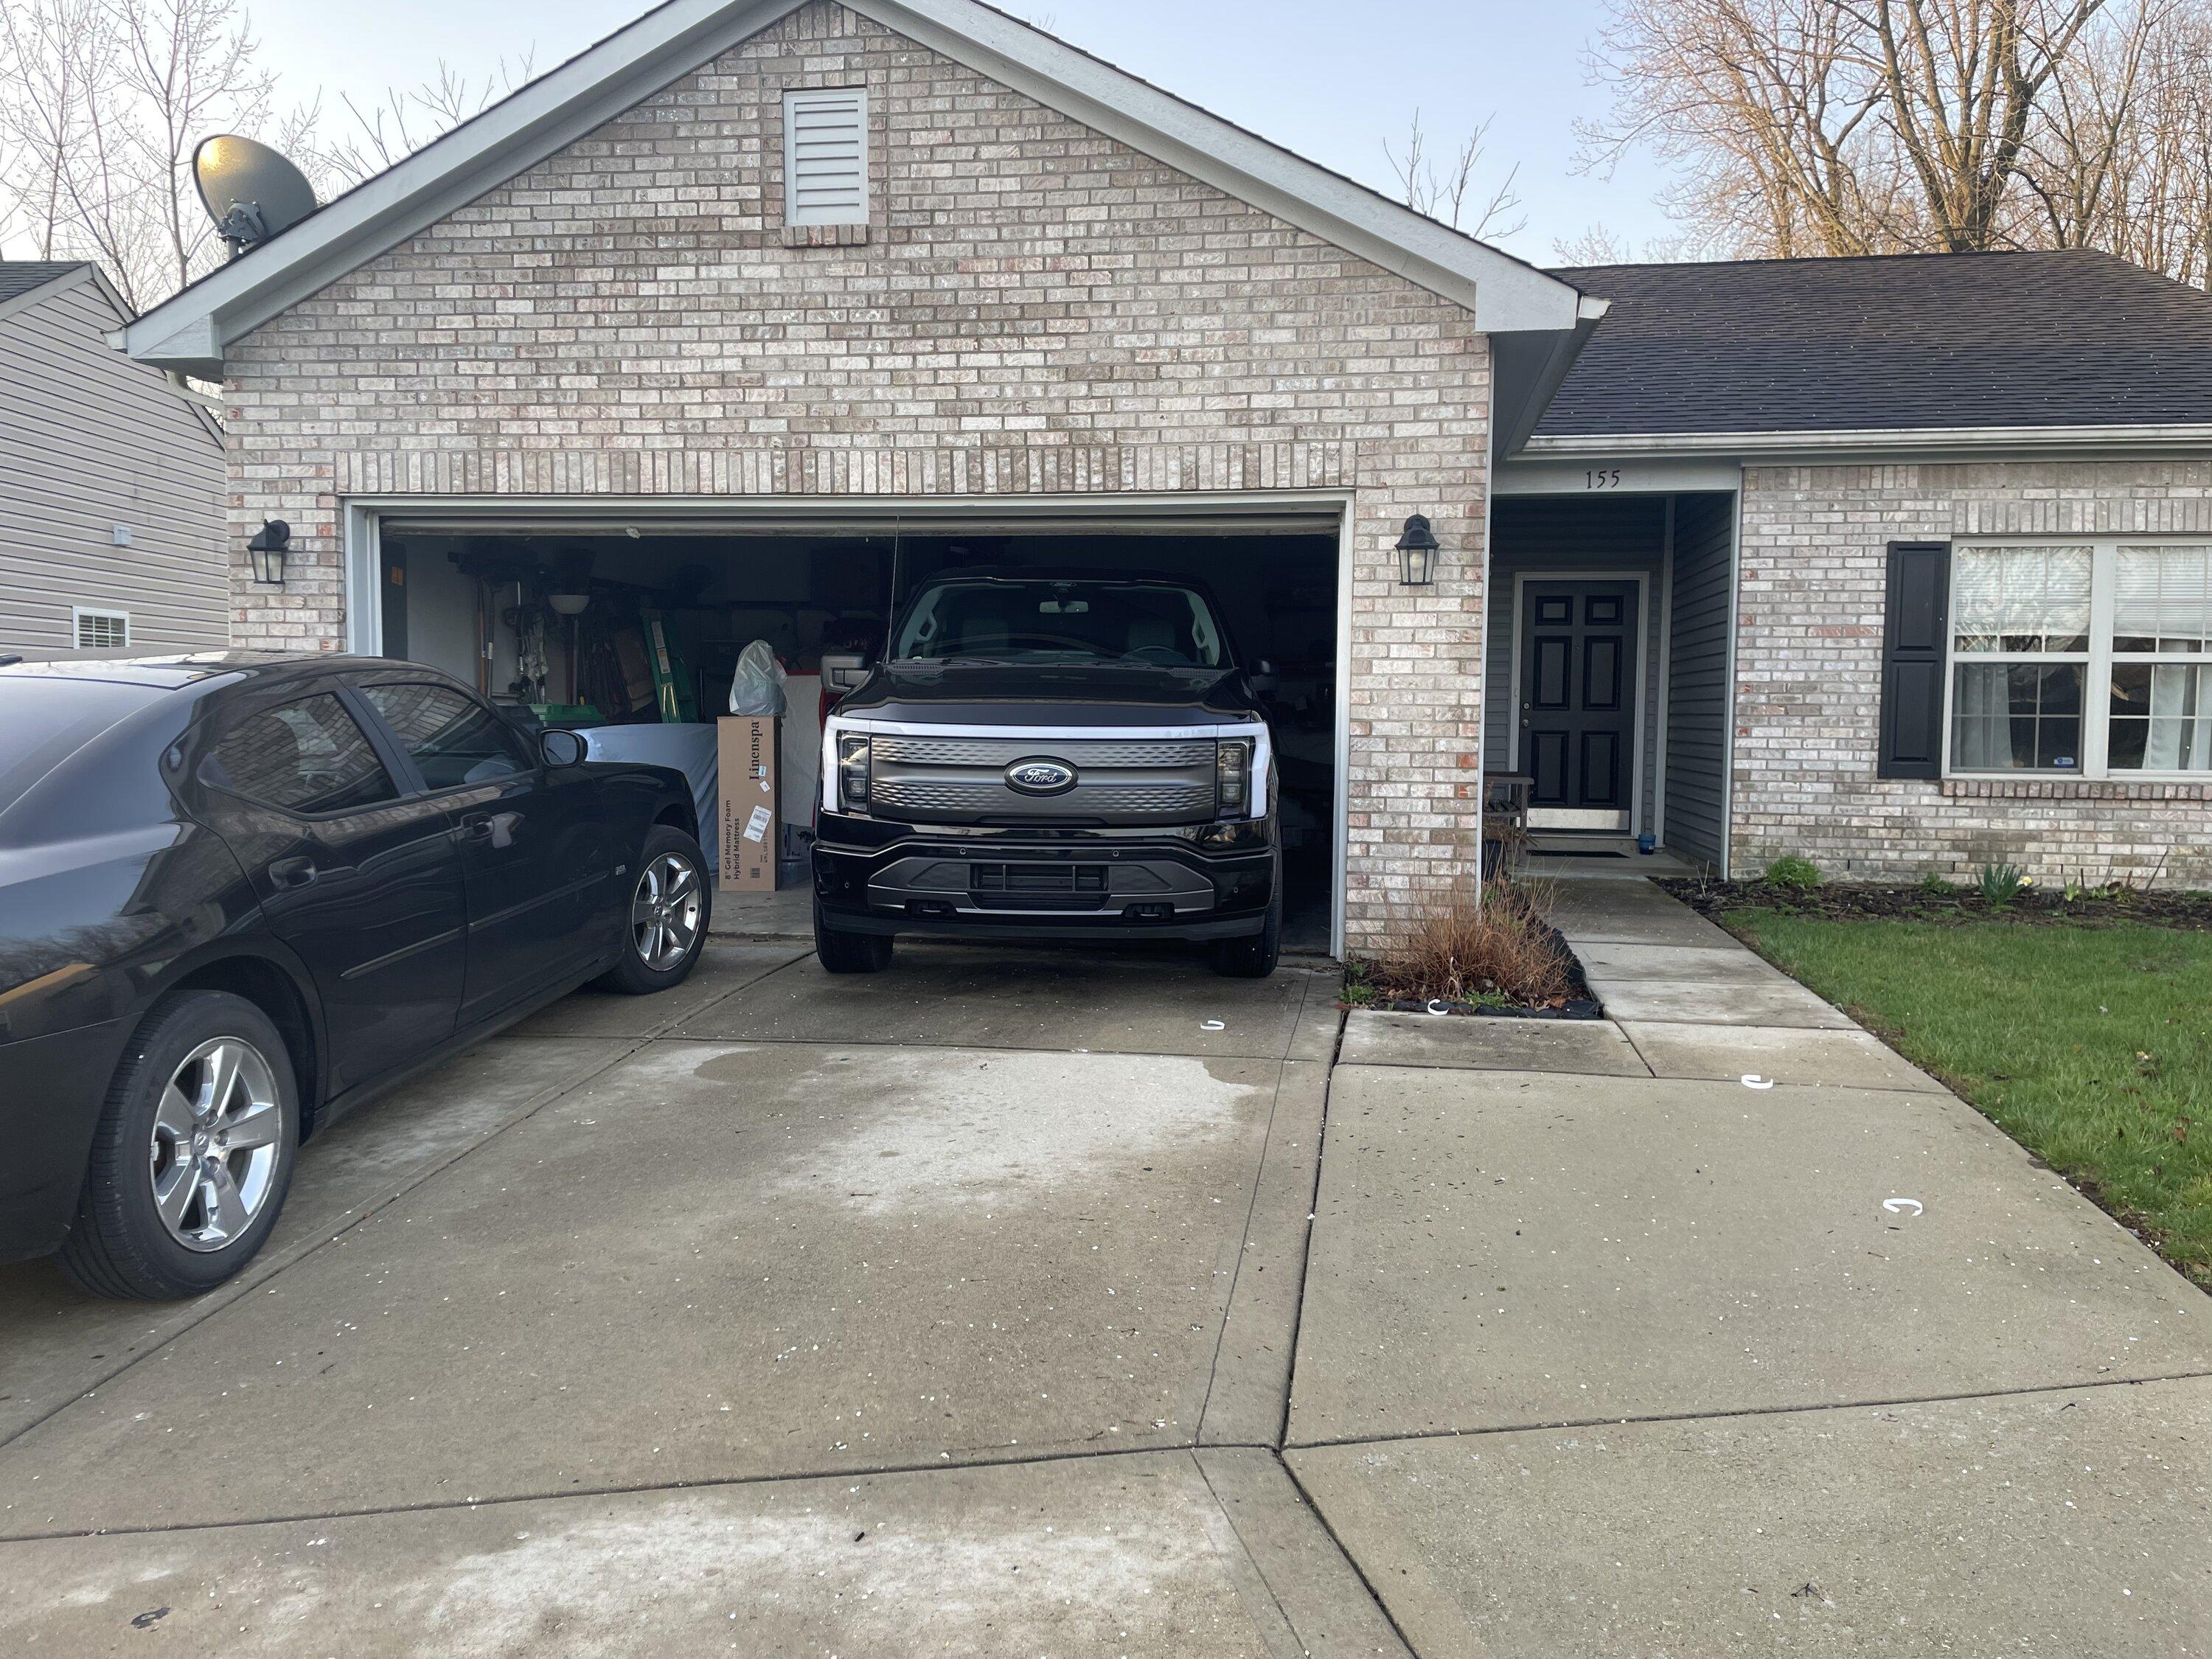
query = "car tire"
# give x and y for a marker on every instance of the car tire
(842, 952)
(1254, 956)
(665, 917)
(201, 1126)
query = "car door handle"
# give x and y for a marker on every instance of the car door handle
(475, 827)
(292, 872)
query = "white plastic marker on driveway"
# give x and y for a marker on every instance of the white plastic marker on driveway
(1212, 1025)
(1753, 1080)
(1903, 1206)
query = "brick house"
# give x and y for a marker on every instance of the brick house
(758, 308)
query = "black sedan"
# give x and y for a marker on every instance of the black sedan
(241, 893)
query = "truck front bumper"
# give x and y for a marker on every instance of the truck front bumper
(1209, 882)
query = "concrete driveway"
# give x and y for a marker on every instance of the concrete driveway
(949, 1311)
(955, 1311)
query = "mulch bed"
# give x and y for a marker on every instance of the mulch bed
(1578, 1004)
(1837, 902)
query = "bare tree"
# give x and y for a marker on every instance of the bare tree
(1765, 109)
(390, 131)
(1866, 126)
(104, 100)
(52, 56)
(1448, 191)
(1961, 83)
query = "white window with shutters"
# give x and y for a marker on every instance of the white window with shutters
(2089, 658)
(100, 630)
(825, 156)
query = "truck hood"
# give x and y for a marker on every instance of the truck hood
(987, 693)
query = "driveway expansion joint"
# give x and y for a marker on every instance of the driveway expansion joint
(507, 1499)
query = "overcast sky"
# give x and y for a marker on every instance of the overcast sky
(1331, 81)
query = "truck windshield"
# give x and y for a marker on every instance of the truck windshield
(1061, 622)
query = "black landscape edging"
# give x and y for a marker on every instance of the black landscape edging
(1572, 1008)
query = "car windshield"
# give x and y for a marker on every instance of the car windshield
(44, 722)
(1047, 621)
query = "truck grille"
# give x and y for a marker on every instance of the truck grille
(1119, 781)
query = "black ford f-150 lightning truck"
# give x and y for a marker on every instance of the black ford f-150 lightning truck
(1050, 757)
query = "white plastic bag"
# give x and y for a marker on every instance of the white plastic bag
(757, 686)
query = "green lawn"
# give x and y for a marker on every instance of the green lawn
(2092, 1047)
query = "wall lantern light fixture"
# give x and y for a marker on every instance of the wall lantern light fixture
(267, 550)
(1417, 550)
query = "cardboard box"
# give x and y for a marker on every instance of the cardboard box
(750, 831)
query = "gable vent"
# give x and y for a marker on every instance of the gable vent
(825, 156)
(102, 630)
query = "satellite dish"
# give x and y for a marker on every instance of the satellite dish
(249, 190)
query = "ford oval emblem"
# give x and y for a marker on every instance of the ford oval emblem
(1040, 777)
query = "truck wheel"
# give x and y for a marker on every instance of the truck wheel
(193, 1154)
(1254, 956)
(843, 952)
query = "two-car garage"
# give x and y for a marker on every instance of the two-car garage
(636, 613)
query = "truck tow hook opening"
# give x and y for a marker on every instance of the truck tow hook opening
(1152, 912)
(931, 907)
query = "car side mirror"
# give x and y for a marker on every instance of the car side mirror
(1263, 677)
(562, 749)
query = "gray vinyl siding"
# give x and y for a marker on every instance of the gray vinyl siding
(90, 440)
(1698, 691)
(1559, 536)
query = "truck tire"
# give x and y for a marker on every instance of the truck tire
(1254, 956)
(844, 952)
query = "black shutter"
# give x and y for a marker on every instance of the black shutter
(1914, 633)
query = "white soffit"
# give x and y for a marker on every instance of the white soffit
(190, 330)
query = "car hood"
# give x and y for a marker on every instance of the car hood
(1051, 694)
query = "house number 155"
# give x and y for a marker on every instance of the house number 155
(1604, 477)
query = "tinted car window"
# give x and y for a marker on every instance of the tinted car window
(44, 722)
(308, 756)
(454, 738)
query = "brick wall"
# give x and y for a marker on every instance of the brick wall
(1808, 649)
(1035, 309)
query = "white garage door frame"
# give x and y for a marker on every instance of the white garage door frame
(1219, 512)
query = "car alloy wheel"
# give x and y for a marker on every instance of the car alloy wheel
(665, 911)
(216, 1129)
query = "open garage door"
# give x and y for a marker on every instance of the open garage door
(599, 620)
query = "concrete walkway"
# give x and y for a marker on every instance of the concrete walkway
(1716, 1329)
(956, 1311)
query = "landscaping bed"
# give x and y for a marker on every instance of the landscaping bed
(1490, 952)
(2090, 1044)
(1943, 904)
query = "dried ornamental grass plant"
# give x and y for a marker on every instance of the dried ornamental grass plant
(1490, 942)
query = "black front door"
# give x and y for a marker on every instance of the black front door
(1578, 702)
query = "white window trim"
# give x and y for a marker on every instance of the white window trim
(2097, 664)
(794, 100)
(108, 613)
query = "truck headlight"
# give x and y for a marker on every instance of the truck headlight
(853, 772)
(1232, 777)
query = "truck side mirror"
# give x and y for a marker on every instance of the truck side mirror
(562, 749)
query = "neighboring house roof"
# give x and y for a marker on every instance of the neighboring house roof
(2049, 341)
(25, 285)
(190, 330)
(18, 276)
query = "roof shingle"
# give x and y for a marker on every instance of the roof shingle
(1887, 343)
(19, 277)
